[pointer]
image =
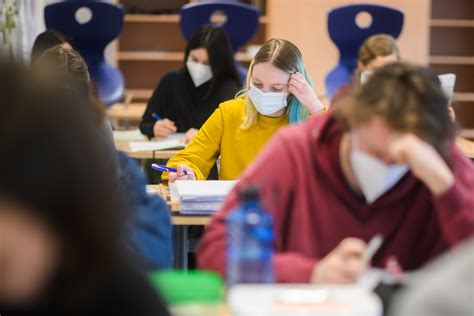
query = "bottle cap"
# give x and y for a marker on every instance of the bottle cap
(250, 193)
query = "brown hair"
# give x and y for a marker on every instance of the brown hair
(409, 98)
(378, 45)
(68, 63)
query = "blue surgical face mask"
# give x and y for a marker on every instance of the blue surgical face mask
(267, 103)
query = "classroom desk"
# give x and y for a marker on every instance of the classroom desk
(181, 224)
(124, 145)
(466, 146)
(130, 112)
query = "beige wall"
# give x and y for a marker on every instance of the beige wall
(304, 22)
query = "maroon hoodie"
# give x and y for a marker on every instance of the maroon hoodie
(314, 208)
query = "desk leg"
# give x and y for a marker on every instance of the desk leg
(180, 242)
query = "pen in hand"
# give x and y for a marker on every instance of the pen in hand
(372, 247)
(162, 168)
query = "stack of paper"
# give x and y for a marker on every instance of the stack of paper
(201, 197)
(170, 142)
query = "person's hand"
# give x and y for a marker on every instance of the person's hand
(189, 135)
(184, 173)
(163, 128)
(424, 161)
(300, 88)
(342, 265)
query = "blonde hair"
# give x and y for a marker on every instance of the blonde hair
(285, 56)
(378, 45)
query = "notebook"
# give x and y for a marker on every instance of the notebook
(171, 142)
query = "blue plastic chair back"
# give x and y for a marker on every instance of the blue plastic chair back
(91, 39)
(349, 37)
(241, 24)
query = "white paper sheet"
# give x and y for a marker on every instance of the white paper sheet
(447, 84)
(211, 190)
(134, 134)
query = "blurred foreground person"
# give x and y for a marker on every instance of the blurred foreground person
(61, 224)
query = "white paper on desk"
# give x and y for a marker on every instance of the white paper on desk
(373, 276)
(447, 84)
(155, 145)
(133, 134)
(210, 190)
(175, 136)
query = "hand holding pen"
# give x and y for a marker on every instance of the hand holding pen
(183, 172)
(346, 262)
(163, 127)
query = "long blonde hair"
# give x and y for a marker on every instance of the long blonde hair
(285, 56)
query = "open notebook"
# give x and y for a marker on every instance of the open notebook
(170, 142)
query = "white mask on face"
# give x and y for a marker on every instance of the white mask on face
(200, 73)
(375, 177)
(267, 103)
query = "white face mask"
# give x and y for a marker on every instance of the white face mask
(267, 103)
(374, 176)
(200, 73)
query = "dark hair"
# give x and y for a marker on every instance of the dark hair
(58, 169)
(409, 98)
(45, 41)
(219, 49)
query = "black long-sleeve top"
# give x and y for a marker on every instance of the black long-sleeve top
(177, 99)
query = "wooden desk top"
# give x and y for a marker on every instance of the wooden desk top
(124, 145)
(132, 111)
(176, 218)
(466, 146)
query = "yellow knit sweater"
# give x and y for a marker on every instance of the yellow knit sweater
(223, 136)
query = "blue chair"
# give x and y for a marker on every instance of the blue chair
(91, 39)
(348, 37)
(241, 24)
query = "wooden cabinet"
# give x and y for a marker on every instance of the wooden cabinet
(452, 50)
(151, 44)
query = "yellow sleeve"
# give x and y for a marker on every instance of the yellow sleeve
(204, 149)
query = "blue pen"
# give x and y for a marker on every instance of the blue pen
(156, 116)
(162, 168)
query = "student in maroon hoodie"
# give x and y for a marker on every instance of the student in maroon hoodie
(384, 163)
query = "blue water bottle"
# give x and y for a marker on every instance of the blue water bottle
(250, 241)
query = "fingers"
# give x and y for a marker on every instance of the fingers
(163, 128)
(170, 125)
(172, 176)
(185, 173)
(159, 131)
(189, 135)
(350, 248)
(342, 265)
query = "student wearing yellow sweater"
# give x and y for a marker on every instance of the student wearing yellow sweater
(278, 91)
